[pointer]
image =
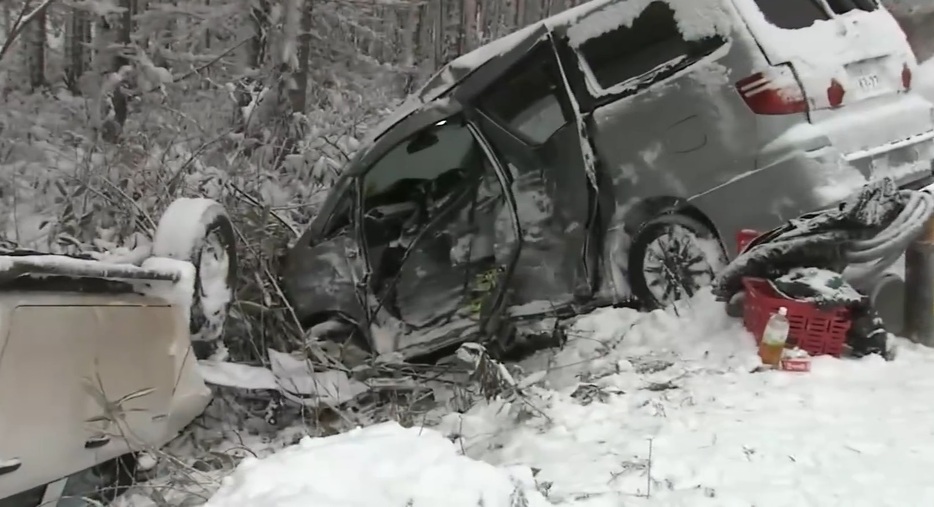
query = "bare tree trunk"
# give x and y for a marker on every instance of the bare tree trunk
(77, 36)
(410, 37)
(468, 26)
(36, 50)
(393, 27)
(124, 33)
(423, 49)
(437, 33)
(521, 19)
(453, 28)
(126, 29)
(259, 44)
(111, 109)
(7, 18)
(408, 46)
(207, 31)
(298, 96)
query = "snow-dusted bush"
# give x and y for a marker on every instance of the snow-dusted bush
(69, 183)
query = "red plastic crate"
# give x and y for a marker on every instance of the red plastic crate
(816, 331)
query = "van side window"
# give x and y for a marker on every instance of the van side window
(631, 51)
(527, 102)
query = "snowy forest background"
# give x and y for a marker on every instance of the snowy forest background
(113, 108)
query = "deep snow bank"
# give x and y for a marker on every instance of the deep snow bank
(657, 409)
(380, 466)
(663, 410)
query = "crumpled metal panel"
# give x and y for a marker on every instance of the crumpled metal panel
(87, 378)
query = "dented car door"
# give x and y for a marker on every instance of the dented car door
(528, 116)
(431, 209)
(323, 273)
(78, 375)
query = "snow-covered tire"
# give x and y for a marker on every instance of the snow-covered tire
(693, 254)
(199, 231)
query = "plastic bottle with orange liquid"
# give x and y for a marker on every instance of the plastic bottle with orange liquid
(774, 337)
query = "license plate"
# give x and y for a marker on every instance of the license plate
(869, 82)
(866, 76)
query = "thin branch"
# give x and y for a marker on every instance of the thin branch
(21, 22)
(214, 60)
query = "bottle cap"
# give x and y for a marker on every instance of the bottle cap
(783, 311)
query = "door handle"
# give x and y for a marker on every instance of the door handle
(10, 466)
(96, 442)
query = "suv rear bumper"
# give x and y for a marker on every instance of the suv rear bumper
(906, 160)
(802, 171)
(806, 152)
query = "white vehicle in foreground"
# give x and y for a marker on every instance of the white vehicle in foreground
(96, 357)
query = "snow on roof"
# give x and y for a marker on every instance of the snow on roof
(696, 18)
(783, 44)
(62, 265)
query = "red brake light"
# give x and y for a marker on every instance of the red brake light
(769, 95)
(906, 77)
(835, 93)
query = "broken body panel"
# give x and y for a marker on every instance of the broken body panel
(589, 158)
(91, 368)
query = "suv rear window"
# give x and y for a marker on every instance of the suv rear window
(845, 6)
(527, 101)
(794, 14)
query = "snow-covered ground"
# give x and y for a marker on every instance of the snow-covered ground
(656, 409)
(382, 465)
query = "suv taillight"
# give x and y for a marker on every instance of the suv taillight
(774, 92)
(906, 77)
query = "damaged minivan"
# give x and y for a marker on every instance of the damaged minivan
(606, 155)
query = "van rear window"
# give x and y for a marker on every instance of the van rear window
(794, 14)
(845, 6)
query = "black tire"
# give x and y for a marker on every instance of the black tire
(200, 231)
(681, 279)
